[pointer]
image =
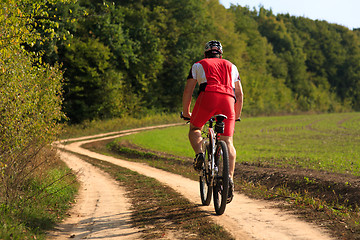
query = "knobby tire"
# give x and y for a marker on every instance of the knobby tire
(205, 179)
(221, 180)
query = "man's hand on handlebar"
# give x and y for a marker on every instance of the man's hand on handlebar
(188, 118)
(183, 117)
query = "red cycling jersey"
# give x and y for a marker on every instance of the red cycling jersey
(216, 78)
(215, 75)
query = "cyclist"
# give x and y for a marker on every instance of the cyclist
(220, 92)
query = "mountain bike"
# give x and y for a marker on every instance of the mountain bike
(214, 174)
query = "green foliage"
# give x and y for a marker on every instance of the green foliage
(331, 55)
(30, 110)
(264, 73)
(95, 89)
(30, 103)
(138, 54)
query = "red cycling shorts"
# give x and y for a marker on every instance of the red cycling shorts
(209, 104)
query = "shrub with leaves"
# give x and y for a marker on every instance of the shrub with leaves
(30, 99)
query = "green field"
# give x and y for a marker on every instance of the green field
(329, 142)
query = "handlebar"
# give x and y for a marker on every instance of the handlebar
(188, 119)
(185, 118)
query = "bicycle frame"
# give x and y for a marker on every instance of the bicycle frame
(213, 137)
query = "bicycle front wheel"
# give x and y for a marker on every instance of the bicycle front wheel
(205, 178)
(221, 178)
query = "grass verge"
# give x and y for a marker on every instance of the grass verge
(46, 202)
(117, 124)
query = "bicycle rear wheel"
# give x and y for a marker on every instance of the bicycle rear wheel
(205, 178)
(221, 178)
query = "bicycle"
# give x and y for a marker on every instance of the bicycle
(214, 175)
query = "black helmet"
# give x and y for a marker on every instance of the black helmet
(214, 46)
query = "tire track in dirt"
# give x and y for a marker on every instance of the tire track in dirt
(101, 210)
(245, 218)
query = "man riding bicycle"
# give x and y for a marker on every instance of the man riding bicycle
(220, 92)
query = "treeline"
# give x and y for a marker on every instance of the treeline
(125, 58)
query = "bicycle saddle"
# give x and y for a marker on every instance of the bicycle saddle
(220, 117)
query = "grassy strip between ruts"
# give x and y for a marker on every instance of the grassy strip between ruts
(158, 210)
(295, 193)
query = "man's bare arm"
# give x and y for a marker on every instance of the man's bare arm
(239, 99)
(187, 96)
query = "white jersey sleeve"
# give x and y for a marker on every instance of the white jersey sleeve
(235, 76)
(198, 73)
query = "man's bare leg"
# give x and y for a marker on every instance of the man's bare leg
(195, 139)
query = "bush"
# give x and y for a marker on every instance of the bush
(30, 110)
(30, 99)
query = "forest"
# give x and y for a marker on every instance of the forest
(125, 58)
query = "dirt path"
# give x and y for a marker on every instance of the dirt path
(92, 217)
(101, 210)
